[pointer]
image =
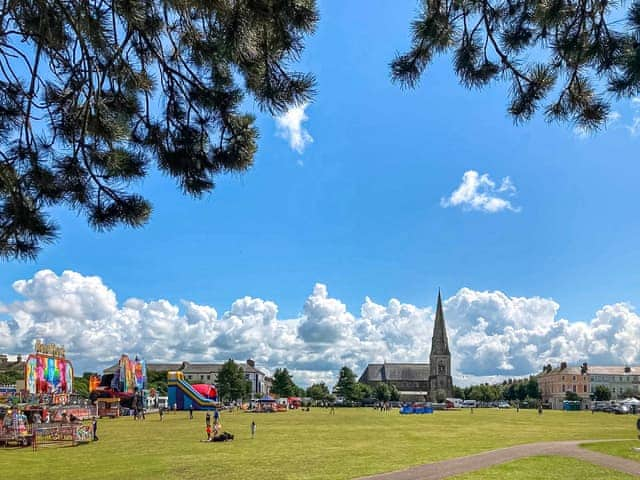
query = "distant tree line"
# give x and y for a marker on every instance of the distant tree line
(510, 390)
(521, 390)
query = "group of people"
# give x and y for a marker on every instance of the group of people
(216, 423)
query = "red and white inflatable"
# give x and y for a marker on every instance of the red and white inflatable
(207, 391)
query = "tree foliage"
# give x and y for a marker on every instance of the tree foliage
(346, 385)
(360, 392)
(231, 382)
(81, 386)
(95, 92)
(318, 391)
(382, 392)
(565, 56)
(283, 384)
(602, 393)
(571, 396)
(157, 380)
(10, 377)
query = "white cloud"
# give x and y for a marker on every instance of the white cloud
(479, 192)
(290, 127)
(613, 117)
(491, 334)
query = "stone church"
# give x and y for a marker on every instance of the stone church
(419, 381)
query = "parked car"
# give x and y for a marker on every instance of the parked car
(621, 409)
(503, 405)
(469, 404)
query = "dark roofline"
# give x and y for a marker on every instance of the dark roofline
(180, 366)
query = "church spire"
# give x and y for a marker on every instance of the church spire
(439, 342)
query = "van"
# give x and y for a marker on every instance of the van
(469, 404)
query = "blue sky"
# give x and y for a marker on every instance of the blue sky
(360, 209)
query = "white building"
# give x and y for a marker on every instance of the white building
(619, 380)
(208, 373)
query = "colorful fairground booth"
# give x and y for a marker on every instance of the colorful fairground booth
(268, 404)
(123, 388)
(49, 373)
(49, 416)
(108, 407)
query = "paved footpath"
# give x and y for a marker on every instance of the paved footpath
(457, 466)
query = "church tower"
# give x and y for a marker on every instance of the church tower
(440, 383)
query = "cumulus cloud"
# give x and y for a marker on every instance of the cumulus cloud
(290, 128)
(491, 334)
(479, 192)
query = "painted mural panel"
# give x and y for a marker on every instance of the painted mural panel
(131, 375)
(46, 374)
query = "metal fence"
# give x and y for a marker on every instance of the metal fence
(60, 434)
(45, 435)
(20, 435)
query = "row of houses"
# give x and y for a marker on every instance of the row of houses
(554, 383)
(208, 373)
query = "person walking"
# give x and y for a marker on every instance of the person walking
(207, 419)
(253, 429)
(161, 412)
(216, 415)
(94, 427)
(190, 412)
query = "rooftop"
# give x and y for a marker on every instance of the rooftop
(613, 370)
(385, 372)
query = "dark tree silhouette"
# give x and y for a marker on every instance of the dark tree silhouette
(569, 57)
(95, 93)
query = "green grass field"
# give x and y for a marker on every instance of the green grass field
(619, 449)
(303, 445)
(548, 468)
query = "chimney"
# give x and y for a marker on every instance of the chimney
(251, 363)
(563, 365)
(19, 359)
(627, 369)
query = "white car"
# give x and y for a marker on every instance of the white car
(504, 405)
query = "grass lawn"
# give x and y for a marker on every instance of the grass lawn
(549, 468)
(301, 445)
(619, 449)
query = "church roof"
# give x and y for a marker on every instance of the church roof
(439, 341)
(391, 372)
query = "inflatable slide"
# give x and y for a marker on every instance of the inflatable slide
(182, 394)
